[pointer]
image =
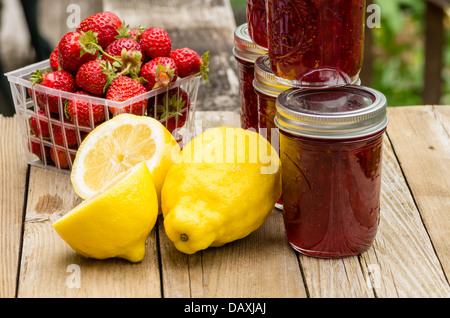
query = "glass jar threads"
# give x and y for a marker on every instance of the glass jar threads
(257, 22)
(316, 43)
(331, 154)
(246, 53)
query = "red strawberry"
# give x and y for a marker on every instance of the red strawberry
(79, 111)
(189, 62)
(155, 42)
(39, 124)
(60, 136)
(60, 158)
(116, 47)
(35, 147)
(172, 108)
(60, 80)
(54, 64)
(126, 33)
(92, 77)
(159, 72)
(124, 88)
(73, 50)
(105, 24)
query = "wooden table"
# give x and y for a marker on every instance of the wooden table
(410, 256)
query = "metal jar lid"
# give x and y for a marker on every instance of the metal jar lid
(244, 48)
(335, 113)
(265, 81)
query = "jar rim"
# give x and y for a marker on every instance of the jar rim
(244, 46)
(265, 81)
(333, 113)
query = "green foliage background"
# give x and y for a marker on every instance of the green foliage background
(398, 51)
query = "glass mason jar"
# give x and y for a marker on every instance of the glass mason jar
(267, 89)
(331, 155)
(257, 22)
(316, 43)
(246, 53)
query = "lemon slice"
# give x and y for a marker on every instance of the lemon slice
(116, 222)
(118, 145)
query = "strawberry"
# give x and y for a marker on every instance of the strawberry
(60, 136)
(189, 62)
(172, 108)
(79, 111)
(35, 147)
(93, 76)
(60, 157)
(39, 124)
(60, 80)
(124, 88)
(105, 24)
(155, 42)
(126, 33)
(54, 64)
(74, 52)
(116, 47)
(159, 72)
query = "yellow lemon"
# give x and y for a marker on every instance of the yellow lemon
(224, 187)
(118, 145)
(116, 222)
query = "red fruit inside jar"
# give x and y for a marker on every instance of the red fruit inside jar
(316, 43)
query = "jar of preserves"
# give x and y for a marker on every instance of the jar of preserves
(316, 43)
(267, 89)
(257, 22)
(331, 155)
(246, 53)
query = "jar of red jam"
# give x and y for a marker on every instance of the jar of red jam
(331, 156)
(267, 89)
(246, 53)
(316, 43)
(257, 22)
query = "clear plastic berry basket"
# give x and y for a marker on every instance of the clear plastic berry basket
(55, 145)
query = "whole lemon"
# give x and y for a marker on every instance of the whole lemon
(116, 222)
(223, 187)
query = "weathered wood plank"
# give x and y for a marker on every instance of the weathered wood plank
(50, 268)
(13, 174)
(201, 25)
(421, 140)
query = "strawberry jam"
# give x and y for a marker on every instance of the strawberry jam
(257, 22)
(331, 153)
(246, 53)
(316, 43)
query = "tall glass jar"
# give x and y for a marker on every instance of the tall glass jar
(316, 43)
(246, 53)
(257, 22)
(331, 153)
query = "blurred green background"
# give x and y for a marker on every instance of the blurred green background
(398, 51)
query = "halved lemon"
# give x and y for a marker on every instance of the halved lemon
(116, 146)
(117, 221)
